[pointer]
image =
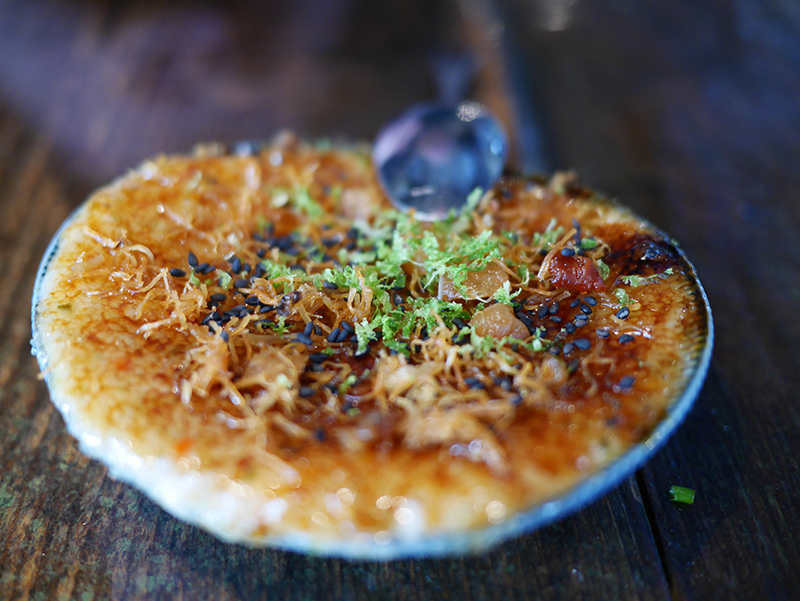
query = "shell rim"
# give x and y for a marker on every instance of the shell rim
(436, 544)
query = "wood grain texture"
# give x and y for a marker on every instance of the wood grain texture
(685, 110)
(692, 122)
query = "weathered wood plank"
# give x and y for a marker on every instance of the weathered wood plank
(695, 131)
(684, 112)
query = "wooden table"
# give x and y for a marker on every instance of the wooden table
(686, 110)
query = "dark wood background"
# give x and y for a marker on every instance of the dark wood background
(687, 110)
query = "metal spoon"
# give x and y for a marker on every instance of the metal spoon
(434, 155)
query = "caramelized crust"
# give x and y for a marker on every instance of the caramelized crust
(360, 394)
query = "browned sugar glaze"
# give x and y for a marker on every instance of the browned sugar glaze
(473, 439)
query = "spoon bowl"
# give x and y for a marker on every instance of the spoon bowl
(433, 156)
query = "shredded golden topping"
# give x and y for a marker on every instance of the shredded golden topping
(309, 309)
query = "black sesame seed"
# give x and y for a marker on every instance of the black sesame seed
(297, 267)
(623, 313)
(315, 367)
(203, 268)
(522, 316)
(193, 262)
(266, 308)
(554, 308)
(260, 271)
(236, 264)
(309, 328)
(317, 330)
(583, 344)
(225, 336)
(516, 399)
(261, 253)
(555, 319)
(306, 391)
(627, 382)
(586, 309)
(625, 338)
(542, 312)
(575, 302)
(568, 348)
(397, 299)
(330, 242)
(474, 383)
(363, 353)
(177, 273)
(247, 267)
(318, 357)
(459, 323)
(251, 300)
(603, 332)
(591, 301)
(332, 337)
(579, 323)
(342, 335)
(330, 286)
(218, 296)
(505, 383)
(320, 434)
(305, 339)
(567, 252)
(241, 283)
(570, 328)
(554, 350)
(347, 327)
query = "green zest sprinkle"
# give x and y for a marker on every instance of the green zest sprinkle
(503, 295)
(549, 237)
(225, 279)
(303, 201)
(588, 243)
(365, 331)
(194, 280)
(637, 280)
(679, 494)
(281, 327)
(276, 270)
(622, 297)
(348, 382)
(602, 268)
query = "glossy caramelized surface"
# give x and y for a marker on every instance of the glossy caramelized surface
(263, 346)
